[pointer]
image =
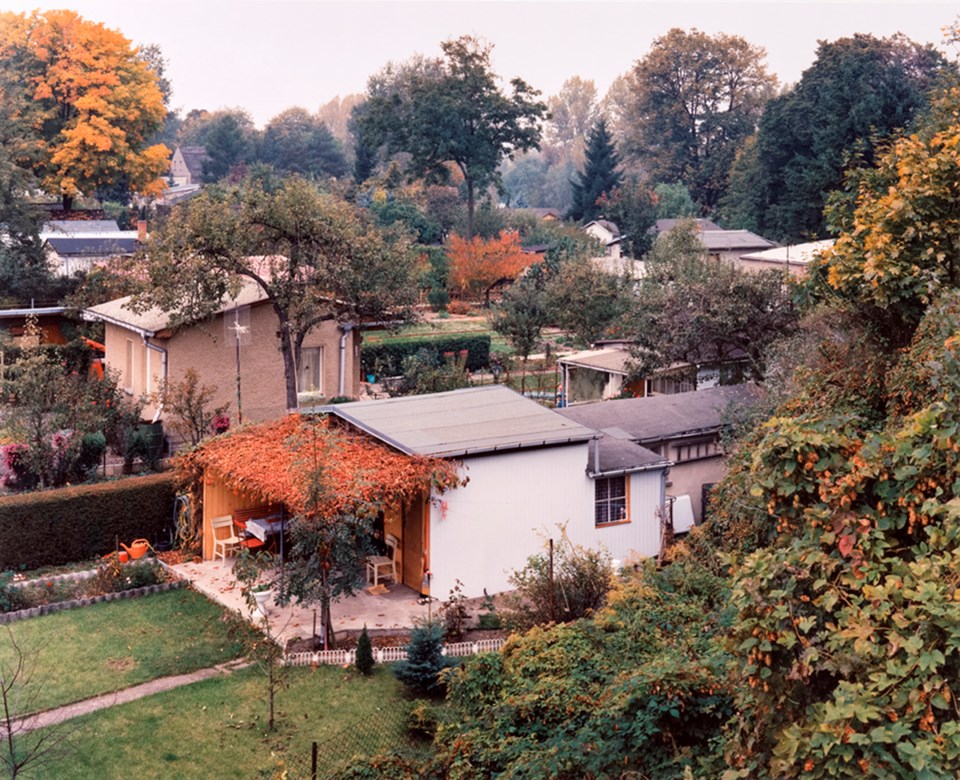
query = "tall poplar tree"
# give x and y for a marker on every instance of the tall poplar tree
(601, 174)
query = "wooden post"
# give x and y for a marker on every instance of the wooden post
(553, 616)
(313, 761)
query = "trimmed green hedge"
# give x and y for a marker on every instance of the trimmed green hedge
(53, 527)
(386, 358)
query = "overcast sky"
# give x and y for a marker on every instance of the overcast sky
(267, 56)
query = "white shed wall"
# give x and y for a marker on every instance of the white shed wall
(514, 502)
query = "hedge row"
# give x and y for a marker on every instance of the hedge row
(386, 358)
(54, 527)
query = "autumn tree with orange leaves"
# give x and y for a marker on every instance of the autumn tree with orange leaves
(477, 265)
(84, 103)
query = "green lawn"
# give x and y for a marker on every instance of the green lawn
(438, 328)
(113, 645)
(217, 728)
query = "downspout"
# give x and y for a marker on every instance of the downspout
(342, 385)
(163, 374)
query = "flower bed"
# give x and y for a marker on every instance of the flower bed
(110, 580)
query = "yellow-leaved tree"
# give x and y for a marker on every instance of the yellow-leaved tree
(83, 102)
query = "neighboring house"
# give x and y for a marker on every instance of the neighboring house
(144, 349)
(607, 234)
(683, 428)
(526, 471)
(731, 245)
(792, 259)
(600, 374)
(549, 214)
(79, 245)
(50, 320)
(186, 165)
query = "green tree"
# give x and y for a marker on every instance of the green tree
(633, 208)
(585, 300)
(451, 111)
(295, 141)
(695, 97)
(315, 256)
(856, 95)
(600, 175)
(694, 310)
(425, 660)
(674, 201)
(364, 659)
(520, 316)
(229, 140)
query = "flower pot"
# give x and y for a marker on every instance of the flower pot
(262, 597)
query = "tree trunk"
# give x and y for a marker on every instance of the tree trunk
(66, 202)
(287, 350)
(470, 207)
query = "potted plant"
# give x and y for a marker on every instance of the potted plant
(261, 595)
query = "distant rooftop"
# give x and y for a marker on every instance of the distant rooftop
(460, 423)
(800, 254)
(95, 244)
(666, 225)
(612, 361)
(72, 227)
(720, 240)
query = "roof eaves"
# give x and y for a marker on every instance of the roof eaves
(659, 465)
(89, 315)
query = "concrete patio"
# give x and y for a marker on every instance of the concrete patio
(390, 612)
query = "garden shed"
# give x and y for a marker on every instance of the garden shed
(271, 466)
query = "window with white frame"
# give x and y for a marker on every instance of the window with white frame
(311, 370)
(611, 500)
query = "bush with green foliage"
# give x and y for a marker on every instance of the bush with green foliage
(77, 523)
(582, 578)
(638, 690)
(386, 357)
(364, 659)
(425, 660)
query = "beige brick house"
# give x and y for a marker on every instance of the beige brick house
(144, 350)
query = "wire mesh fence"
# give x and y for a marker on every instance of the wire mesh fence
(384, 731)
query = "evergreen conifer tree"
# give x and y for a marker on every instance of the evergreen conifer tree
(364, 653)
(425, 659)
(600, 173)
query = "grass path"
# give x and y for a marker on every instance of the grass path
(82, 653)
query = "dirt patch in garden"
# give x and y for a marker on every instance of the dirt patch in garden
(121, 664)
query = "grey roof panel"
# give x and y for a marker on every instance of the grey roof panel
(617, 455)
(462, 422)
(662, 416)
(93, 245)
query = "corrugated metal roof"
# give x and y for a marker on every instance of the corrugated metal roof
(662, 416)
(457, 423)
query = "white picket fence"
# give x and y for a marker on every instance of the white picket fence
(387, 655)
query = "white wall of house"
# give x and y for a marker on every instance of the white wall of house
(482, 532)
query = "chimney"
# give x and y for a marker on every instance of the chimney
(141, 230)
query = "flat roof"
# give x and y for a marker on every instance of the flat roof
(733, 239)
(620, 456)
(661, 417)
(798, 254)
(457, 423)
(612, 361)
